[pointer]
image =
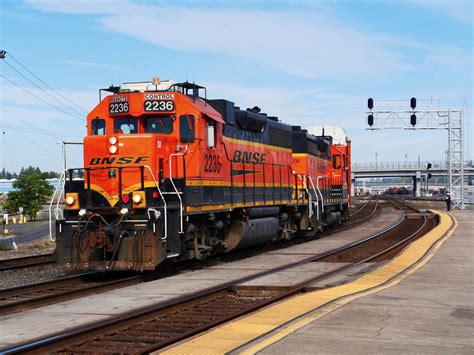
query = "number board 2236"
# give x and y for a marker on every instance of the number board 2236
(158, 105)
(118, 108)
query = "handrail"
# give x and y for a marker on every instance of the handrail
(164, 203)
(316, 193)
(181, 227)
(310, 198)
(317, 187)
(61, 178)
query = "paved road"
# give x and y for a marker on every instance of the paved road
(27, 232)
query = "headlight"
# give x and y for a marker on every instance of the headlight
(70, 200)
(113, 149)
(113, 140)
(137, 198)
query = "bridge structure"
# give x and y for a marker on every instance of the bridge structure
(417, 170)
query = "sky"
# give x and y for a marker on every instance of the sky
(307, 62)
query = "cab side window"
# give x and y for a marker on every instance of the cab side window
(336, 161)
(186, 128)
(98, 127)
(211, 134)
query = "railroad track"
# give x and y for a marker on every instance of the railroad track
(40, 294)
(154, 327)
(364, 213)
(361, 207)
(53, 291)
(35, 295)
(27, 261)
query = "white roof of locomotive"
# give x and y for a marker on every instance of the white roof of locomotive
(338, 134)
(147, 86)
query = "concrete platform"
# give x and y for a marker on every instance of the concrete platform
(430, 312)
(31, 324)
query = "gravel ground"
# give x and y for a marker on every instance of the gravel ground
(12, 278)
(42, 246)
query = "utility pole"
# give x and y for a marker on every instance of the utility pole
(392, 115)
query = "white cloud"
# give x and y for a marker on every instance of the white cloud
(90, 64)
(307, 44)
(292, 105)
(10, 94)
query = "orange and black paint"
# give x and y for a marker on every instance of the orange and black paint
(222, 160)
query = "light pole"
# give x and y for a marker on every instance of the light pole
(406, 160)
(376, 155)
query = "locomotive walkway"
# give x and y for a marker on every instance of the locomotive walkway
(432, 311)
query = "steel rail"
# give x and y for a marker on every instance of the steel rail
(29, 296)
(353, 223)
(361, 208)
(24, 303)
(26, 261)
(66, 336)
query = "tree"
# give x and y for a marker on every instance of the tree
(31, 191)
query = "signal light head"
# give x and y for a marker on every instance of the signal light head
(370, 120)
(413, 103)
(370, 103)
(413, 120)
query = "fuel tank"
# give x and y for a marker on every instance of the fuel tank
(244, 234)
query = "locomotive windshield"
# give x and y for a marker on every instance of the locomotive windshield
(126, 125)
(159, 124)
(98, 127)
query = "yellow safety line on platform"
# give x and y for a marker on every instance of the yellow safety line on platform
(236, 334)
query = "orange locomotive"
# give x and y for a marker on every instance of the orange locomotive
(169, 174)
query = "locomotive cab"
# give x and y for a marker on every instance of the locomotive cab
(127, 213)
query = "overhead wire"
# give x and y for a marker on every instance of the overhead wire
(73, 114)
(42, 90)
(31, 124)
(45, 84)
(41, 99)
(36, 144)
(40, 146)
